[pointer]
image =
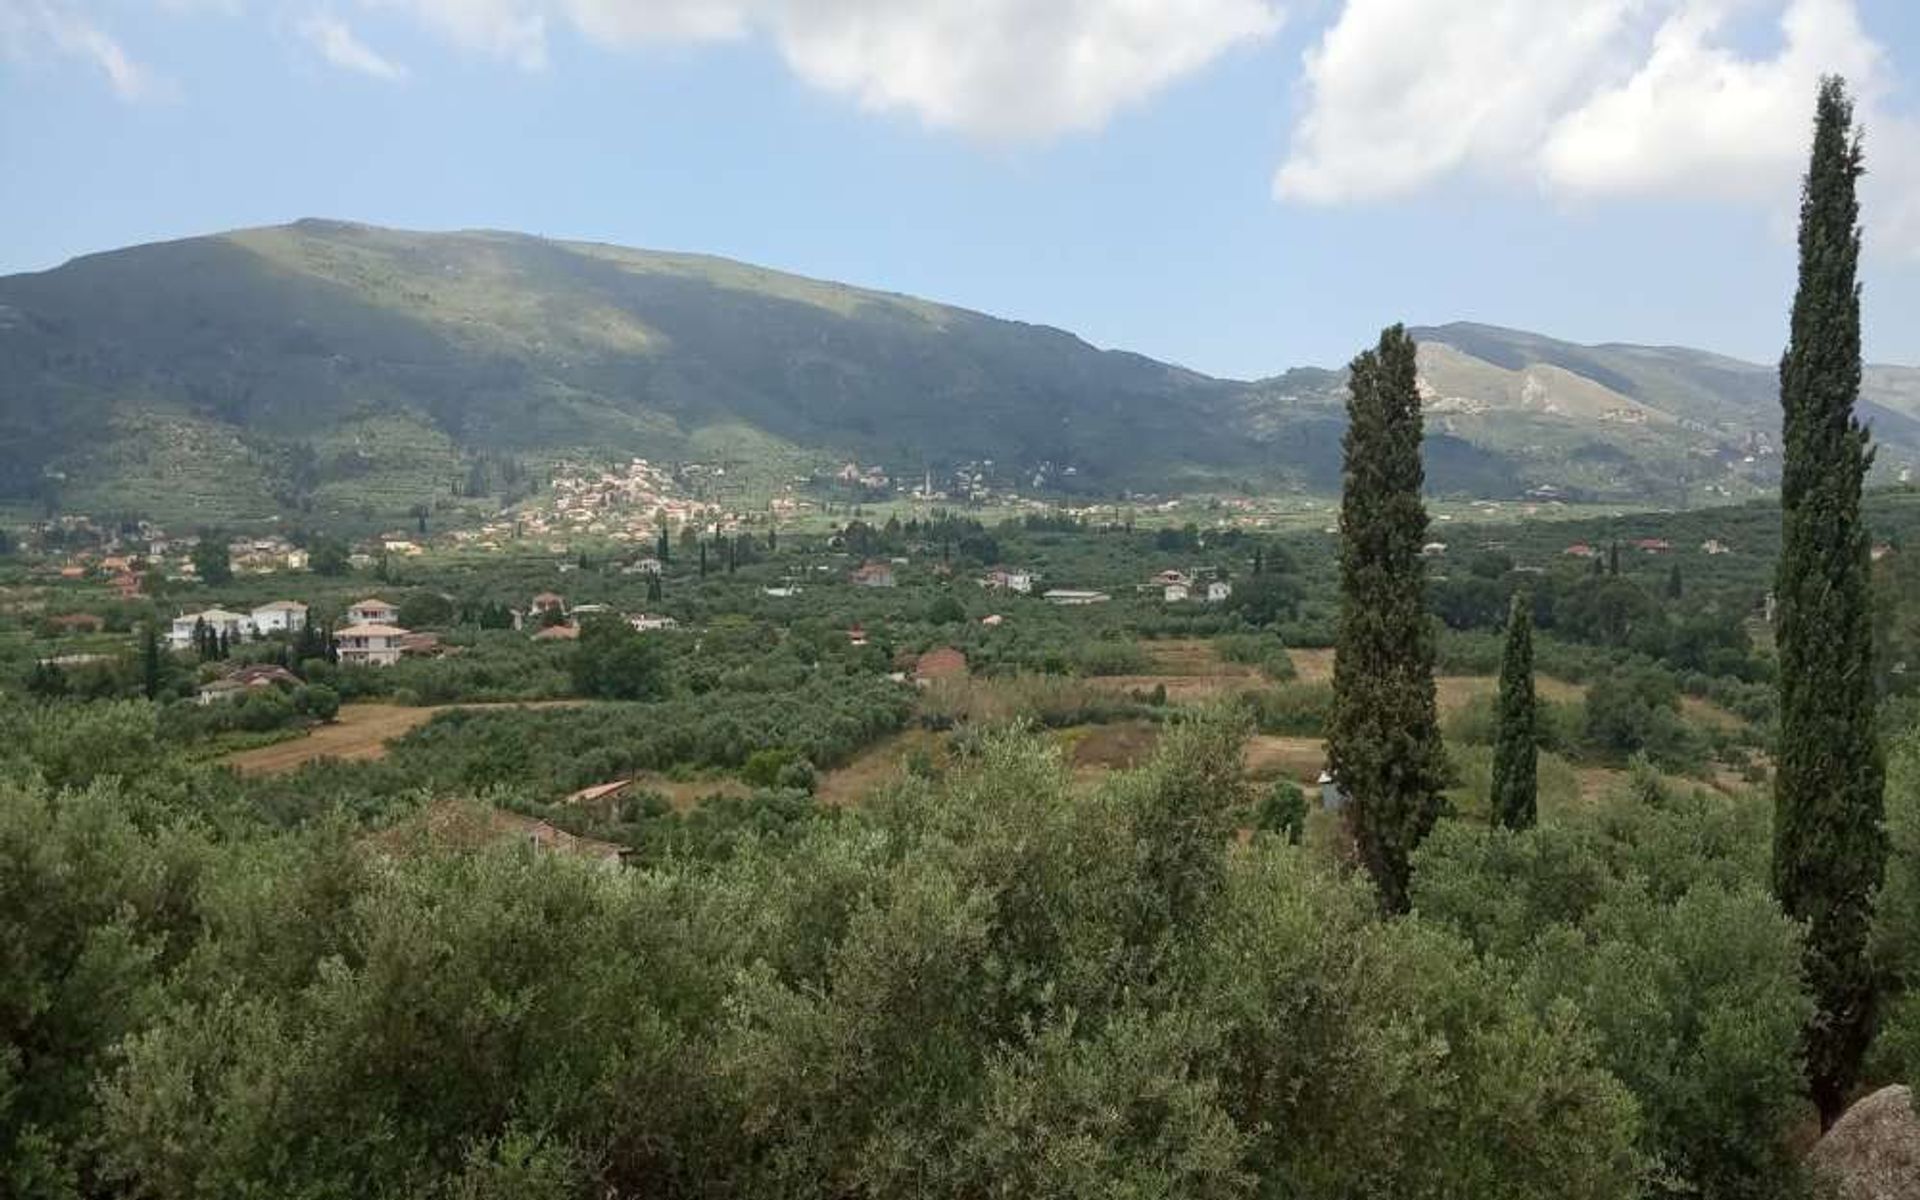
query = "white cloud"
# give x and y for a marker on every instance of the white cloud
(31, 26)
(1590, 98)
(1890, 193)
(1698, 119)
(1403, 91)
(1010, 68)
(999, 68)
(339, 45)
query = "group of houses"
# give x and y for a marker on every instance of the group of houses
(554, 621)
(1178, 587)
(1174, 587)
(1650, 545)
(281, 616)
(372, 636)
(125, 558)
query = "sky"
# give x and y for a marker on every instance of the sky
(1239, 186)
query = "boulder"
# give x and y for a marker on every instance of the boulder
(1872, 1152)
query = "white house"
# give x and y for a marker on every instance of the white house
(1012, 580)
(282, 616)
(1176, 593)
(235, 625)
(1218, 591)
(372, 611)
(369, 645)
(649, 622)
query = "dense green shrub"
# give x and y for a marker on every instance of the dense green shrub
(553, 751)
(1110, 658)
(1264, 651)
(1650, 916)
(1637, 711)
(1000, 982)
(613, 662)
(1296, 710)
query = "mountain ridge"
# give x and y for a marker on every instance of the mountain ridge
(326, 367)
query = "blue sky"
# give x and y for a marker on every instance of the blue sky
(1236, 185)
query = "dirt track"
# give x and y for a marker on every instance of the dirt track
(360, 733)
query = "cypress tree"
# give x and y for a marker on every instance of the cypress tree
(1516, 754)
(703, 560)
(149, 661)
(1613, 559)
(1829, 849)
(1383, 743)
(1675, 588)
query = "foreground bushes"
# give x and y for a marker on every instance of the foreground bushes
(1648, 917)
(996, 985)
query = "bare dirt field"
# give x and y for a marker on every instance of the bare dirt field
(1094, 751)
(1191, 670)
(359, 734)
(875, 766)
(1312, 666)
(1191, 656)
(1090, 751)
(1181, 689)
(1297, 758)
(686, 794)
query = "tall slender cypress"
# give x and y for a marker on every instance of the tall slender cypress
(1829, 849)
(1516, 749)
(1383, 743)
(149, 661)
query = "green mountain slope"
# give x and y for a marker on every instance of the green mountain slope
(396, 354)
(343, 369)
